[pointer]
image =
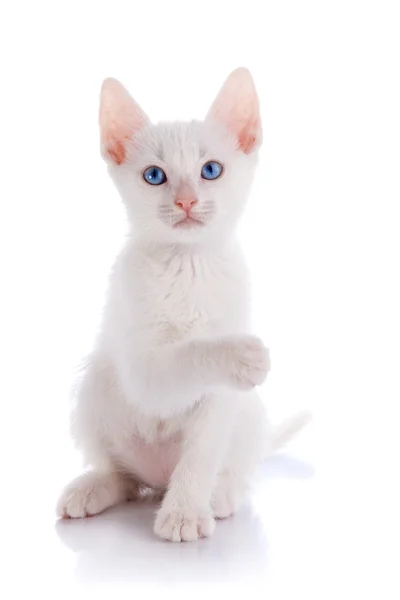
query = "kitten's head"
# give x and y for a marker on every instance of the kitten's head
(183, 182)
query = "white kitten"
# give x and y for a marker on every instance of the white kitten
(167, 399)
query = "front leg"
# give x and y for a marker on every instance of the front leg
(185, 514)
(238, 362)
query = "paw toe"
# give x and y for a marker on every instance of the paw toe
(183, 526)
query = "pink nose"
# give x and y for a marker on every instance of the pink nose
(186, 203)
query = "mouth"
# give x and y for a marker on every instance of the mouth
(188, 223)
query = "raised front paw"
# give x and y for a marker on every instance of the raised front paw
(246, 361)
(183, 525)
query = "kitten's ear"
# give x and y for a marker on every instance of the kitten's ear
(120, 119)
(236, 107)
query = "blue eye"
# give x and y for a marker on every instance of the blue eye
(211, 170)
(154, 176)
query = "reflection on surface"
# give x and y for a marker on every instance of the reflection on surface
(119, 545)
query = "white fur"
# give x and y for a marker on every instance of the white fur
(167, 399)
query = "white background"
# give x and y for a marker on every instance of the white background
(322, 236)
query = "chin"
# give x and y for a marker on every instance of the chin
(192, 235)
(190, 232)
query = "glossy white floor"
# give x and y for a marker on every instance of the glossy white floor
(119, 546)
(272, 535)
(321, 522)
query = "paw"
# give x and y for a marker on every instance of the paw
(184, 525)
(246, 361)
(225, 501)
(88, 495)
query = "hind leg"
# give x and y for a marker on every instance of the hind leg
(93, 492)
(228, 494)
(103, 485)
(246, 450)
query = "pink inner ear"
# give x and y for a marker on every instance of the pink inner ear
(249, 136)
(115, 138)
(116, 151)
(236, 107)
(120, 119)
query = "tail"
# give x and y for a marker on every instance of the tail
(280, 435)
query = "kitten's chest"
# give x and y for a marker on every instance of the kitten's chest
(193, 294)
